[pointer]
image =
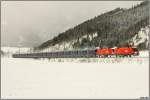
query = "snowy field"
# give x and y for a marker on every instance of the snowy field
(42, 78)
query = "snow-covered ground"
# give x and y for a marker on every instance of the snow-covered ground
(74, 77)
(107, 78)
(8, 51)
(14, 49)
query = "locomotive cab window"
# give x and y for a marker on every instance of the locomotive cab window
(135, 49)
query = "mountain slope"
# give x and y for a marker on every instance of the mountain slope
(141, 40)
(114, 28)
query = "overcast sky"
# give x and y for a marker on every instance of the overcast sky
(29, 23)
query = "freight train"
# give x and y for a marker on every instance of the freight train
(101, 52)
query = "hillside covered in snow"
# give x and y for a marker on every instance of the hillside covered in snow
(8, 51)
(141, 39)
(118, 27)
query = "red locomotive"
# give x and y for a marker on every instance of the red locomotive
(104, 52)
(120, 51)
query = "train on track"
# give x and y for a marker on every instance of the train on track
(100, 52)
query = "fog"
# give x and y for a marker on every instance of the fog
(30, 23)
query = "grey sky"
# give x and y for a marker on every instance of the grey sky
(29, 23)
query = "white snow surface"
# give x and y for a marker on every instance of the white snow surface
(108, 78)
(99, 78)
(14, 49)
(144, 53)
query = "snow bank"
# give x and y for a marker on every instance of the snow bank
(144, 53)
(8, 51)
(14, 49)
(28, 78)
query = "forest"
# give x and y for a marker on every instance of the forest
(114, 28)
